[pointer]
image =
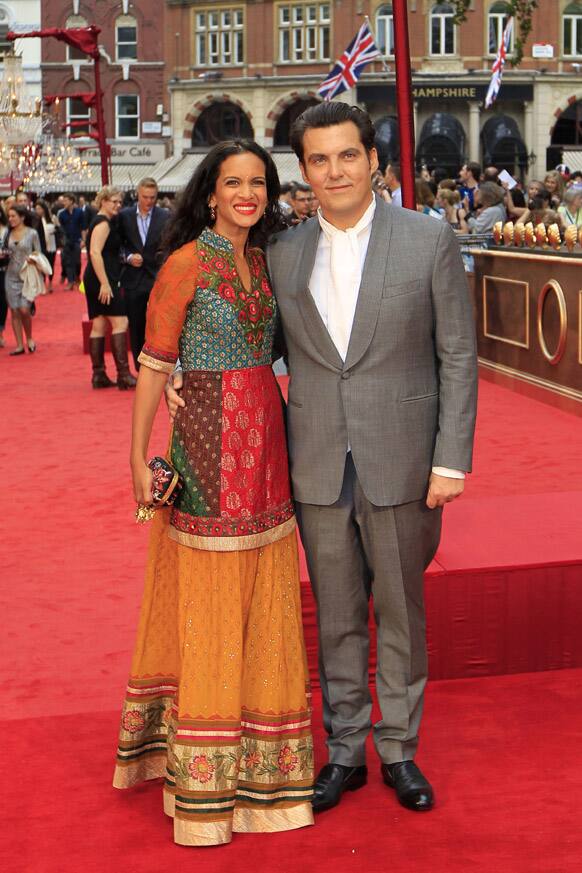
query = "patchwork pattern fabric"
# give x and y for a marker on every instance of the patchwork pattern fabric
(229, 440)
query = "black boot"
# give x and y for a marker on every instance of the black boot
(119, 349)
(100, 379)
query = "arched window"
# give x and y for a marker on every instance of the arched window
(497, 18)
(126, 38)
(220, 121)
(385, 30)
(572, 30)
(285, 122)
(74, 54)
(442, 29)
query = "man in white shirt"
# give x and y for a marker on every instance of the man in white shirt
(381, 410)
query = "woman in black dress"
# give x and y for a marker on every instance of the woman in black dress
(104, 298)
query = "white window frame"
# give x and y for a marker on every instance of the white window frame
(125, 21)
(304, 28)
(498, 20)
(445, 18)
(76, 21)
(219, 36)
(385, 28)
(575, 20)
(72, 131)
(119, 117)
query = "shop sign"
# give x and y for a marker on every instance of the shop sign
(124, 153)
(442, 90)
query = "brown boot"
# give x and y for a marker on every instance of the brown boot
(100, 379)
(119, 350)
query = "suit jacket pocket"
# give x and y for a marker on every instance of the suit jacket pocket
(420, 397)
(401, 288)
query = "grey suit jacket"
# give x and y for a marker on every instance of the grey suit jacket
(405, 398)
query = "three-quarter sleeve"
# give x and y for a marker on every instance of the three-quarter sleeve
(171, 295)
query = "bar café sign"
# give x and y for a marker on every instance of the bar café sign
(130, 154)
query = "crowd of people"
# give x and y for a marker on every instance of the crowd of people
(122, 253)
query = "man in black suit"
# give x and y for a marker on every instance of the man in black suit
(141, 227)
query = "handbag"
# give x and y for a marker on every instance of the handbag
(167, 484)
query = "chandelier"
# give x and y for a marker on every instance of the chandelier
(50, 162)
(20, 113)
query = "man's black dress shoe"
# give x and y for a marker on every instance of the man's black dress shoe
(332, 781)
(412, 789)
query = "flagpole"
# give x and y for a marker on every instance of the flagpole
(404, 102)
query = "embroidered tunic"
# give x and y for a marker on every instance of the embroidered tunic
(229, 440)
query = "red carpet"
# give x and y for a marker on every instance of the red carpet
(502, 751)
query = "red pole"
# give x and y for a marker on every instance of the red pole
(100, 118)
(404, 102)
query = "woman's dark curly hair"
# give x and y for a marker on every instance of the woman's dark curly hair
(192, 213)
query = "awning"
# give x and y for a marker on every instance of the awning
(502, 141)
(173, 174)
(123, 176)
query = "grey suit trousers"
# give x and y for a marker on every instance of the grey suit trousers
(355, 549)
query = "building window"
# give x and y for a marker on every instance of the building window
(442, 29)
(219, 37)
(304, 30)
(127, 116)
(385, 30)
(497, 18)
(75, 54)
(572, 29)
(77, 112)
(126, 38)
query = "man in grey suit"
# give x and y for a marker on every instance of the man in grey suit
(381, 412)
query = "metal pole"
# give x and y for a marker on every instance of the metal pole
(102, 140)
(404, 102)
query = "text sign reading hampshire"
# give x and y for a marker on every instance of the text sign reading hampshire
(443, 91)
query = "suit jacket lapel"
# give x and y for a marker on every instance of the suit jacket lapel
(370, 295)
(153, 222)
(314, 325)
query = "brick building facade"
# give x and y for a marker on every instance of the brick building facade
(136, 102)
(250, 67)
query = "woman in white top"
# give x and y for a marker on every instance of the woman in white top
(41, 208)
(570, 210)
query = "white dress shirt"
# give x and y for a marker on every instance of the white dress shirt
(335, 284)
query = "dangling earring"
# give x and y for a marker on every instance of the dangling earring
(212, 213)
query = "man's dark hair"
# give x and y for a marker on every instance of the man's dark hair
(287, 187)
(70, 197)
(475, 169)
(300, 186)
(329, 114)
(395, 170)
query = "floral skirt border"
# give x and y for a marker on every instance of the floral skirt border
(254, 775)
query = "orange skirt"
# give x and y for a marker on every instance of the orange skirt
(218, 700)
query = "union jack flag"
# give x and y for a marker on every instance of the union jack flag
(498, 64)
(346, 72)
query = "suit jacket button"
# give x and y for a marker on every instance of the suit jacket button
(345, 375)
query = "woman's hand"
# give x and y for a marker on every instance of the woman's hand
(105, 294)
(142, 483)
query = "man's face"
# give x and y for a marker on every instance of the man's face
(146, 198)
(22, 199)
(68, 203)
(339, 169)
(301, 203)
